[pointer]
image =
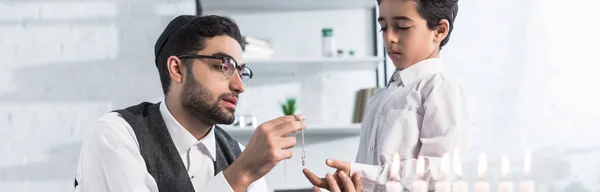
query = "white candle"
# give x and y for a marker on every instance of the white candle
(527, 184)
(393, 183)
(482, 185)
(459, 185)
(505, 185)
(420, 185)
(442, 185)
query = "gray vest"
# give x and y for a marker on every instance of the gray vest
(158, 150)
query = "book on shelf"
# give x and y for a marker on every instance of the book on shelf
(256, 48)
(360, 103)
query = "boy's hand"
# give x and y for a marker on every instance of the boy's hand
(340, 166)
(348, 185)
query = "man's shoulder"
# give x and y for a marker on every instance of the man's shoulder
(110, 127)
(111, 119)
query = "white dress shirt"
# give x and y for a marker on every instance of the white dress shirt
(110, 158)
(420, 113)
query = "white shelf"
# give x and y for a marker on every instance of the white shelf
(298, 66)
(245, 6)
(311, 130)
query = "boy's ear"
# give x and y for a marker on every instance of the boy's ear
(441, 31)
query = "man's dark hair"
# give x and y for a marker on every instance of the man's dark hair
(433, 11)
(188, 35)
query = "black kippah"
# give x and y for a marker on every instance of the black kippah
(175, 24)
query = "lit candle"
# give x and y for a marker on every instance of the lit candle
(442, 184)
(482, 185)
(420, 185)
(459, 185)
(527, 184)
(505, 185)
(393, 183)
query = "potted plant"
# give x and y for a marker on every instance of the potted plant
(289, 107)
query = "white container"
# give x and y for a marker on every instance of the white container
(247, 120)
(329, 49)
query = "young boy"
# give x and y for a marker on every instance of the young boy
(421, 112)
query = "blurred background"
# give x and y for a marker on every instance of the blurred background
(530, 70)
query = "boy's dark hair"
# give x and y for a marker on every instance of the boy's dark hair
(433, 11)
(188, 34)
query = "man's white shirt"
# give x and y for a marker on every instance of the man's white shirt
(110, 158)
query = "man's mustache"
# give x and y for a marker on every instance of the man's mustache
(225, 95)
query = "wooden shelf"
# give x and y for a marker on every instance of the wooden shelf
(311, 131)
(298, 66)
(245, 6)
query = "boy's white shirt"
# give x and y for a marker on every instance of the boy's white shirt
(420, 113)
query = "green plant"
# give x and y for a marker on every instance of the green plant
(289, 107)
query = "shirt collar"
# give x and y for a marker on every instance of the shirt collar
(182, 138)
(420, 70)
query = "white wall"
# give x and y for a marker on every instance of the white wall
(65, 63)
(528, 68)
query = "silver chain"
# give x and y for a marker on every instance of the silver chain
(303, 156)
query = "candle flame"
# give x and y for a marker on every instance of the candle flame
(527, 162)
(505, 167)
(482, 166)
(395, 168)
(457, 163)
(445, 166)
(420, 167)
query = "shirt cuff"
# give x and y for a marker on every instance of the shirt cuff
(408, 171)
(218, 183)
(369, 175)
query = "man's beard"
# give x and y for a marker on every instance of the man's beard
(196, 100)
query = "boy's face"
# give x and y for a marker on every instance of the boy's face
(407, 38)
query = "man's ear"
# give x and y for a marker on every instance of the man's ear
(175, 66)
(441, 31)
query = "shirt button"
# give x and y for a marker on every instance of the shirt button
(370, 148)
(192, 176)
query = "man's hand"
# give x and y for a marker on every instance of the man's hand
(266, 148)
(353, 185)
(340, 166)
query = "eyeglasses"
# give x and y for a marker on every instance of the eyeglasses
(228, 66)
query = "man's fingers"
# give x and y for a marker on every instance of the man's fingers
(347, 182)
(301, 117)
(357, 183)
(284, 154)
(288, 128)
(333, 186)
(316, 189)
(337, 164)
(281, 120)
(286, 142)
(316, 181)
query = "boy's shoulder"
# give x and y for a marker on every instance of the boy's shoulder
(443, 78)
(442, 83)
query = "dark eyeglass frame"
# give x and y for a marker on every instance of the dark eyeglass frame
(224, 61)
